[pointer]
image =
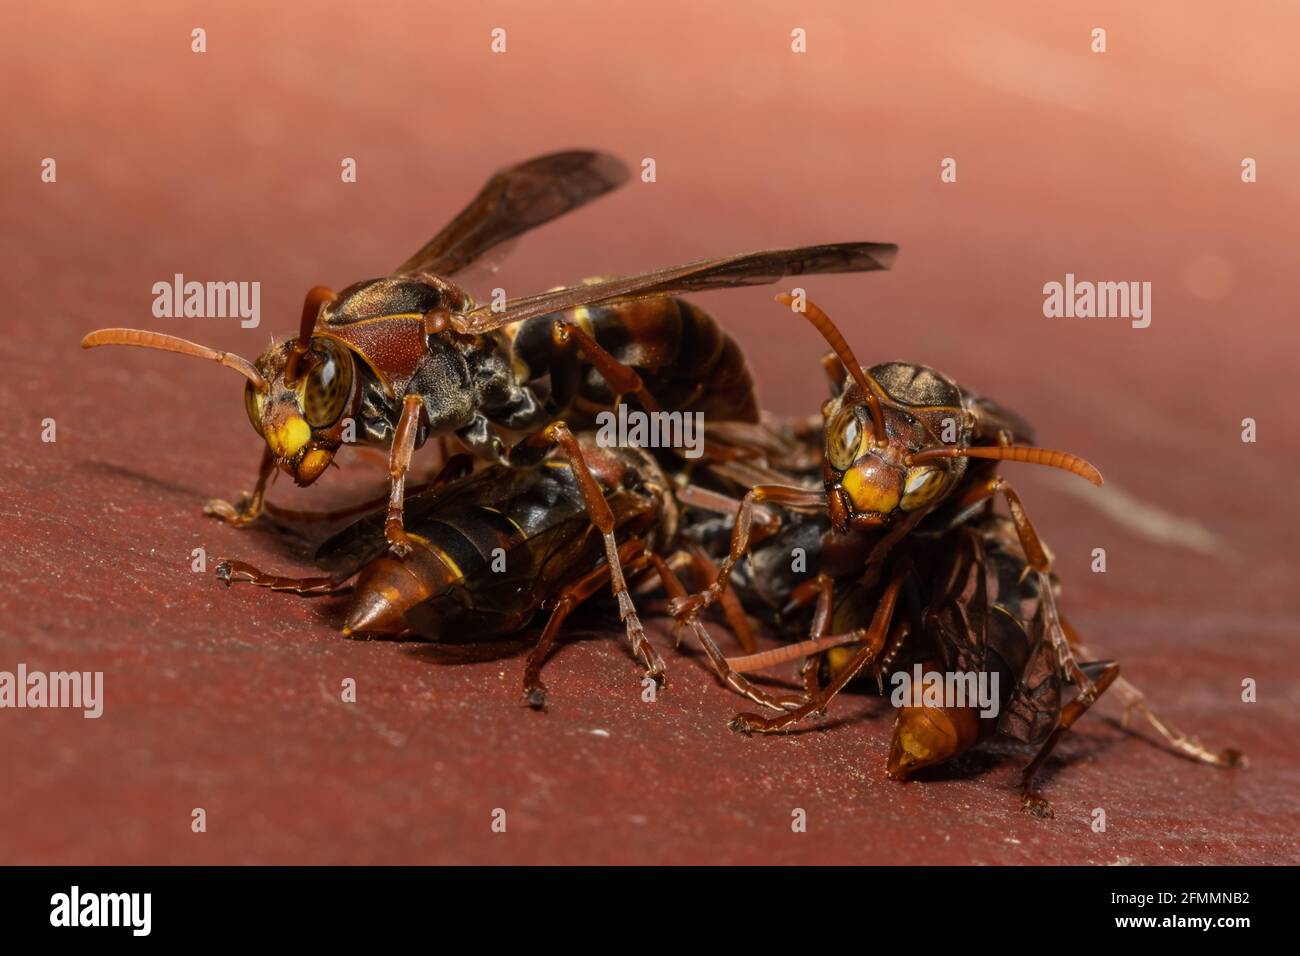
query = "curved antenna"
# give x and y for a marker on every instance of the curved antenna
(835, 339)
(169, 343)
(1032, 456)
(317, 298)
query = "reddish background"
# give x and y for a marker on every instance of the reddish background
(226, 166)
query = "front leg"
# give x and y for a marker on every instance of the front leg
(873, 642)
(743, 537)
(250, 506)
(399, 462)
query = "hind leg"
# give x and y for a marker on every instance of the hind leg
(1030, 799)
(1134, 700)
(238, 572)
(534, 693)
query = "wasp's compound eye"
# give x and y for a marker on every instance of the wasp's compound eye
(328, 384)
(922, 486)
(253, 405)
(843, 437)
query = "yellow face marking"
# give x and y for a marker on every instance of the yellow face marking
(866, 494)
(290, 437)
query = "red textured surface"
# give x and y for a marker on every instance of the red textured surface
(225, 166)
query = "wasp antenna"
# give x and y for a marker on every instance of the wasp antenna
(791, 652)
(1032, 456)
(169, 343)
(835, 339)
(317, 298)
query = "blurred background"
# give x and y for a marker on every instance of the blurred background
(1116, 166)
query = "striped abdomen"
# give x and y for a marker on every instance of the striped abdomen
(685, 359)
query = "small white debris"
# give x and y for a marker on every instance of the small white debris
(597, 732)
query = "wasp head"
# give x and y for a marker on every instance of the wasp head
(870, 438)
(301, 408)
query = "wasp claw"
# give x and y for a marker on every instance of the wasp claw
(1038, 806)
(534, 696)
(743, 724)
(235, 515)
(399, 546)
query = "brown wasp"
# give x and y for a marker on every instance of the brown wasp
(413, 355)
(492, 548)
(888, 472)
(903, 506)
(973, 610)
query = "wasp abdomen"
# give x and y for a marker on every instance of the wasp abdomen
(684, 358)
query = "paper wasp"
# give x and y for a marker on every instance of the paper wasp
(492, 548)
(903, 508)
(887, 473)
(968, 606)
(413, 355)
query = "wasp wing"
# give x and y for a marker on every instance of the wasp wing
(515, 200)
(752, 268)
(992, 418)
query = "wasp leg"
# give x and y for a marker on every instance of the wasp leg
(1040, 561)
(730, 678)
(823, 587)
(238, 572)
(623, 379)
(1134, 700)
(737, 620)
(684, 609)
(873, 642)
(557, 433)
(399, 462)
(1030, 800)
(250, 506)
(534, 695)
(810, 671)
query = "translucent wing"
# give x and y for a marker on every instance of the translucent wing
(515, 200)
(752, 268)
